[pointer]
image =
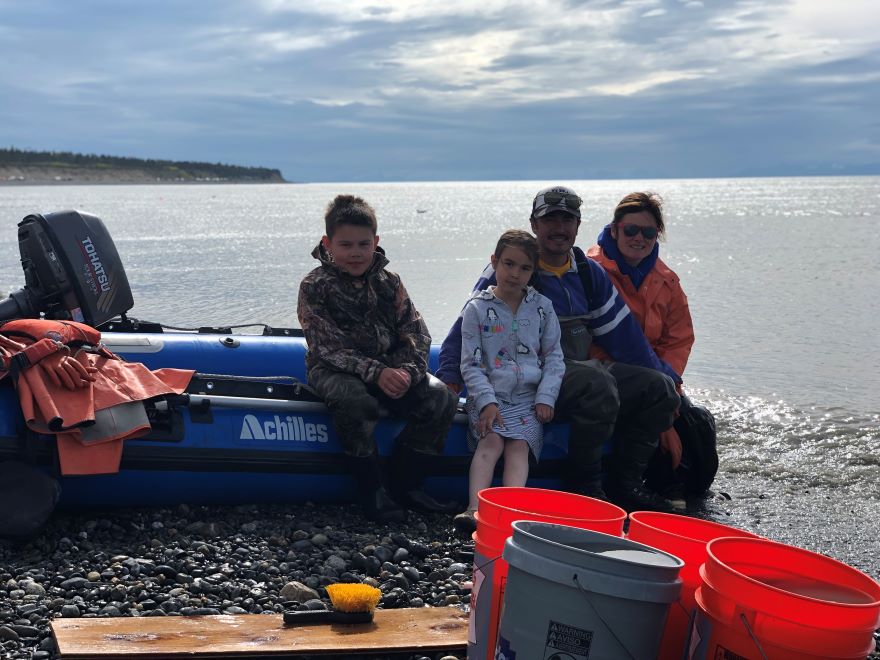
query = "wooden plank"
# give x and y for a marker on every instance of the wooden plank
(407, 629)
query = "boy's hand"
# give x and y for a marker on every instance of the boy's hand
(394, 382)
(455, 388)
(543, 412)
(489, 416)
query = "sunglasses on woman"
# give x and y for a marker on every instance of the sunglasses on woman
(555, 198)
(631, 230)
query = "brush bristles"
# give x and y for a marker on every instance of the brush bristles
(353, 597)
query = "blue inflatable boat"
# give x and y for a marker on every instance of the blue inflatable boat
(247, 430)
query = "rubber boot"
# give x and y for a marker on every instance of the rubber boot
(409, 469)
(375, 500)
(626, 486)
(585, 480)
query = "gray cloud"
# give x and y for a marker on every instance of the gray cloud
(371, 90)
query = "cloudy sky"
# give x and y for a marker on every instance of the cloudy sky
(382, 90)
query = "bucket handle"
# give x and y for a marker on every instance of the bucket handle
(601, 618)
(745, 621)
(486, 563)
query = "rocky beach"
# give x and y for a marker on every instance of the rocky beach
(213, 560)
(197, 560)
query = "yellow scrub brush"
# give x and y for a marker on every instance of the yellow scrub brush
(352, 603)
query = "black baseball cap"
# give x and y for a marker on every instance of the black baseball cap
(556, 198)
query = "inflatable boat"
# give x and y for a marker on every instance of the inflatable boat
(247, 430)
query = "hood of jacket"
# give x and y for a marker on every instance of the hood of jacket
(598, 254)
(636, 273)
(321, 254)
(487, 294)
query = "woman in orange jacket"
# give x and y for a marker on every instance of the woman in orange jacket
(628, 250)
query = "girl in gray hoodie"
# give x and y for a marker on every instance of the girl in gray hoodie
(512, 364)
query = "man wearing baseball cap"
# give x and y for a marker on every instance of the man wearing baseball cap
(632, 397)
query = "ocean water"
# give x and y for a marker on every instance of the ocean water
(782, 276)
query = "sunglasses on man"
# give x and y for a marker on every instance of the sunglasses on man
(631, 230)
(570, 200)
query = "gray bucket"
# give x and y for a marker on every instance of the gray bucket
(574, 593)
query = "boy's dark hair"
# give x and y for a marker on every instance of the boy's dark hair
(521, 239)
(637, 202)
(348, 210)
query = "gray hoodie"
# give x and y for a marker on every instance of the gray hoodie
(507, 359)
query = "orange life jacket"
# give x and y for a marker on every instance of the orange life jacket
(70, 333)
(50, 408)
(660, 306)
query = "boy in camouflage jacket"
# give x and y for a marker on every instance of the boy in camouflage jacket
(368, 346)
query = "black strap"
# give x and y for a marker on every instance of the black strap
(585, 273)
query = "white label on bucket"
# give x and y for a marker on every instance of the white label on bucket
(566, 642)
(475, 594)
(695, 639)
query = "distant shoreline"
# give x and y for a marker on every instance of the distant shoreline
(45, 176)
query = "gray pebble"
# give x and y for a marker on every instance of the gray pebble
(383, 553)
(234, 609)
(34, 589)
(298, 591)
(69, 611)
(74, 583)
(25, 631)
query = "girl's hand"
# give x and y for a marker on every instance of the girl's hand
(489, 416)
(543, 412)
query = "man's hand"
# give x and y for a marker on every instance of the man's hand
(489, 416)
(671, 444)
(66, 371)
(543, 412)
(394, 382)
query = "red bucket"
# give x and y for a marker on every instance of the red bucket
(759, 596)
(686, 538)
(499, 508)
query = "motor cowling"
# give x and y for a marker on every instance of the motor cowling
(72, 271)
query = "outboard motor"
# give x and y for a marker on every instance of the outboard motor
(72, 271)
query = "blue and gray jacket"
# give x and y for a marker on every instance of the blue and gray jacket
(589, 309)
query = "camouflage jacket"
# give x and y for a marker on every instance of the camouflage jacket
(360, 325)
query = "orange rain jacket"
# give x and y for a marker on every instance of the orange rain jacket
(660, 306)
(91, 422)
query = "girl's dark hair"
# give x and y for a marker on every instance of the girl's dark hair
(348, 210)
(521, 239)
(641, 201)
